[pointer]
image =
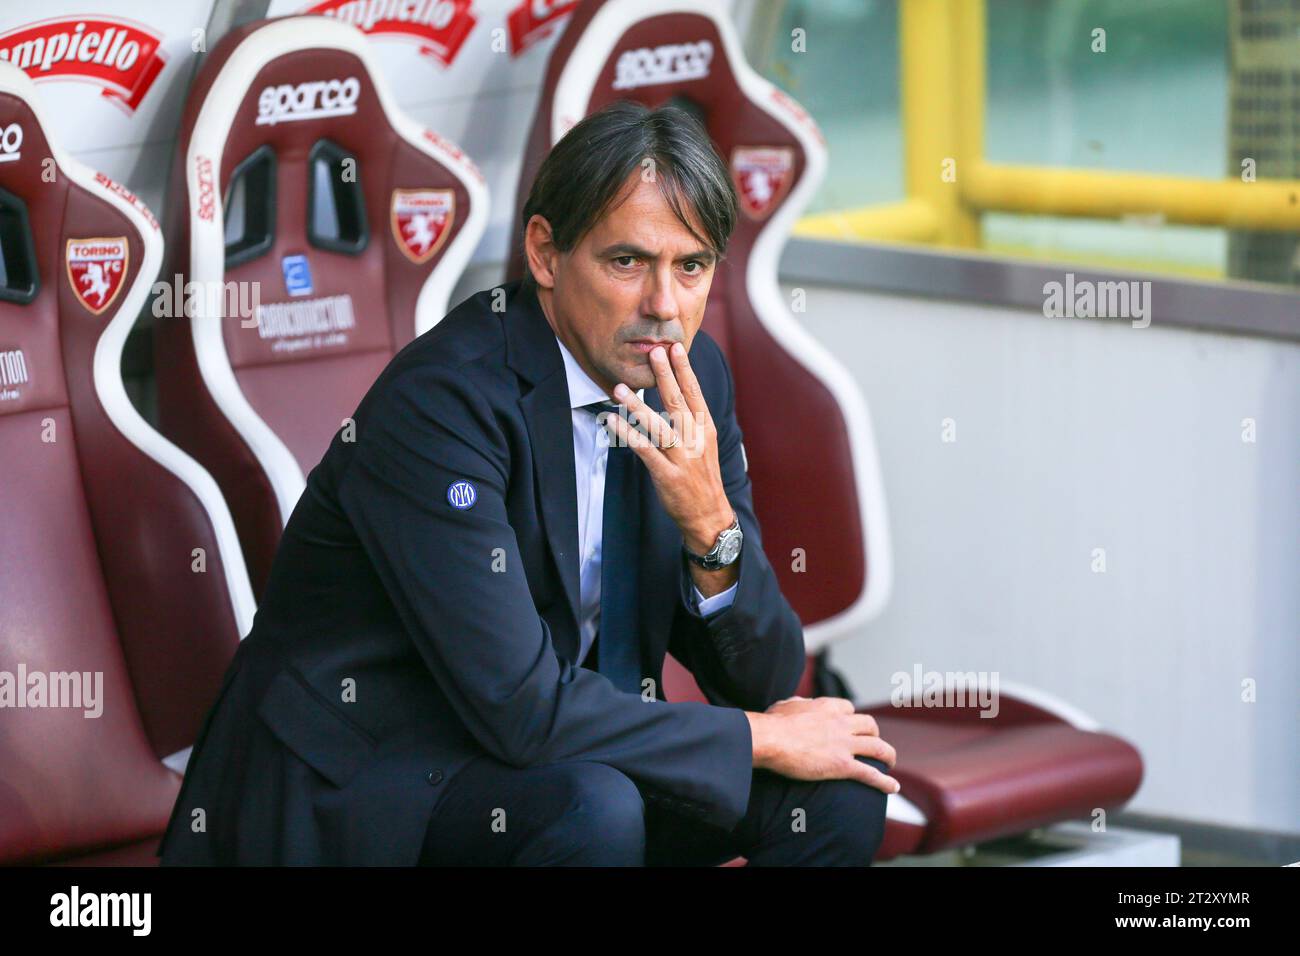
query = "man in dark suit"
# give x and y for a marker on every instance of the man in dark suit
(458, 657)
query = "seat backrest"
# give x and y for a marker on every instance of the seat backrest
(297, 176)
(808, 437)
(123, 593)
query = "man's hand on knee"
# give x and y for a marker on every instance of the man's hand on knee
(820, 738)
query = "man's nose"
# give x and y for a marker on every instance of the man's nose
(660, 301)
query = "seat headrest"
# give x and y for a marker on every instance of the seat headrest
(299, 177)
(330, 190)
(687, 54)
(78, 249)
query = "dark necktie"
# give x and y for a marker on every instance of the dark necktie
(617, 642)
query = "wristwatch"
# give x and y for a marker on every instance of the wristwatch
(725, 550)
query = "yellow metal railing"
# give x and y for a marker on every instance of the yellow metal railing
(949, 183)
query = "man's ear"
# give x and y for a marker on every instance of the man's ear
(540, 251)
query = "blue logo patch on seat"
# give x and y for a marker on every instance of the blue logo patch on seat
(461, 495)
(297, 275)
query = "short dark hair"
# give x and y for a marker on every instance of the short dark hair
(584, 171)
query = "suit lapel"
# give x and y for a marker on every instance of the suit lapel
(550, 429)
(532, 352)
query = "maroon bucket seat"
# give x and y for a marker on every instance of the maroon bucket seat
(123, 593)
(296, 176)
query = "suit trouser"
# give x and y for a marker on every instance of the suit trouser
(589, 814)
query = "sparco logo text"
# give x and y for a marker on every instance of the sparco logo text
(314, 100)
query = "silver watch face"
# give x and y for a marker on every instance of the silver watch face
(730, 547)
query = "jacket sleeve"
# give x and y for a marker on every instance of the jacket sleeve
(750, 654)
(450, 563)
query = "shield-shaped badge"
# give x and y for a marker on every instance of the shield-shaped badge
(421, 221)
(96, 270)
(762, 175)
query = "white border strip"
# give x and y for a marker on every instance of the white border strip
(207, 237)
(903, 810)
(108, 362)
(572, 93)
(179, 760)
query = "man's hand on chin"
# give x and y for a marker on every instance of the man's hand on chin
(681, 455)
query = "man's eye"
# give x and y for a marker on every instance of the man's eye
(695, 262)
(630, 259)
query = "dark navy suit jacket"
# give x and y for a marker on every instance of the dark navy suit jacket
(401, 636)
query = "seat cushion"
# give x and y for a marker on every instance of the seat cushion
(978, 781)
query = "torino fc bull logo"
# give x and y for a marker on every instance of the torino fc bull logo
(96, 270)
(762, 176)
(421, 220)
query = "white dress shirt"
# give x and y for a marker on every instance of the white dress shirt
(590, 452)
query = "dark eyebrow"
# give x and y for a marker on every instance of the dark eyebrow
(631, 249)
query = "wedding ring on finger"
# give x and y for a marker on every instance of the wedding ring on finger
(655, 425)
